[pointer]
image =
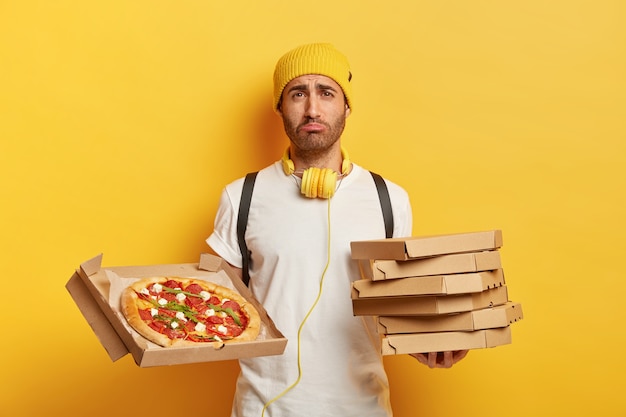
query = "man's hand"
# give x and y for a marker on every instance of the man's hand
(440, 359)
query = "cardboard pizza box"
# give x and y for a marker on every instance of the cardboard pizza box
(487, 318)
(411, 305)
(437, 265)
(90, 288)
(399, 344)
(406, 248)
(431, 285)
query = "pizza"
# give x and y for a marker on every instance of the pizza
(173, 311)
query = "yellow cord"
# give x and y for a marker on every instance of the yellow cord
(319, 295)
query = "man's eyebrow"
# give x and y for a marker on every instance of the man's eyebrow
(298, 87)
(321, 86)
(318, 86)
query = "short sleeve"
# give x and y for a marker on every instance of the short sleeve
(224, 240)
(402, 211)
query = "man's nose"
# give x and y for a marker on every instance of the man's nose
(312, 109)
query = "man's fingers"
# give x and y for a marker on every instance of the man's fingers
(440, 359)
(432, 359)
(460, 354)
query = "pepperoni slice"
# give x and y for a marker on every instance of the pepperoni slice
(194, 289)
(170, 283)
(145, 314)
(233, 305)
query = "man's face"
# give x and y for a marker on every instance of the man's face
(314, 111)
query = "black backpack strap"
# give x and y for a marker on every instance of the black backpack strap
(385, 203)
(242, 224)
(244, 208)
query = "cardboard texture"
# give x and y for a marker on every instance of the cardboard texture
(444, 341)
(438, 265)
(488, 318)
(90, 285)
(402, 249)
(431, 285)
(409, 305)
(435, 293)
(95, 318)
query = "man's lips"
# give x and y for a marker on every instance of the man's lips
(312, 127)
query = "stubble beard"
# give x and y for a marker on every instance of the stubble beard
(311, 144)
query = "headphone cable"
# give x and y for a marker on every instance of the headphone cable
(317, 299)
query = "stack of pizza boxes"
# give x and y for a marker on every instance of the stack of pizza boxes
(435, 293)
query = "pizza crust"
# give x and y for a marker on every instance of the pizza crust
(131, 304)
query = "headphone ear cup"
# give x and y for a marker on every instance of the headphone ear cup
(327, 190)
(317, 182)
(321, 184)
(307, 179)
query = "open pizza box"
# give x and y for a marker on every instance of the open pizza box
(96, 291)
(402, 249)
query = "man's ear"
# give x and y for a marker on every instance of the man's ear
(347, 110)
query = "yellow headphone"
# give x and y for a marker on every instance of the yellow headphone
(317, 182)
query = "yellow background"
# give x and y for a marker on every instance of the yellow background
(120, 122)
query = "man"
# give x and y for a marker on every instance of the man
(300, 268)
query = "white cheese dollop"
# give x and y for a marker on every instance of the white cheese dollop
(162, 301)
(154, 311)
(181, 316)
(180, 296)
(205, 295)
(222, 329)
(200, 327)
(174, 325)
(157, 287)
(209, 313)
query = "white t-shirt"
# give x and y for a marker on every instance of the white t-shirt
(287, 233)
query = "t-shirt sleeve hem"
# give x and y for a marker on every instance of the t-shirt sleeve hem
(222, 249)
